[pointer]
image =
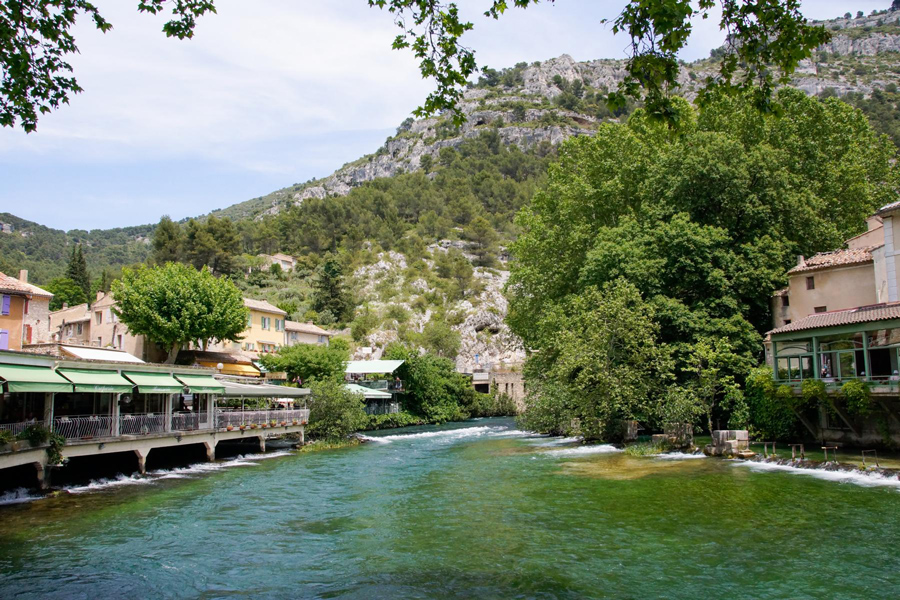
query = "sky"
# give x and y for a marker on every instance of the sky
(267, 94)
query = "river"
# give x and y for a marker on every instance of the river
(465, 510)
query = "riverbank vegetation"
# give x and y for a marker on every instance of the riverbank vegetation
(645, 266)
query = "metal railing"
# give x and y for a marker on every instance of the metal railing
(84, 427)
(142, 424)
(381, 384)
(88, 427)
(190, 421)
(17, 428)
(259, 418)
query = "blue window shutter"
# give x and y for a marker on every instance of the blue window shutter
(4, 338)
(6, 300)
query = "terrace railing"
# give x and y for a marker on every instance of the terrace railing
(142, 424)
(84, 427)
(262, 417)
(190, 421)
(16, 428)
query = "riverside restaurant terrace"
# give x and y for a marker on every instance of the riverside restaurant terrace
(101, 407)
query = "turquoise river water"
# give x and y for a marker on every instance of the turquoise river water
(466, 510)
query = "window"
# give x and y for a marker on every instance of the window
(100, 341)
(787, 321)
(119, 342)
(99, 317)
(821, 309)
(80, 328)
(26, 333)
(265, 322)
(4, 307)
(4, 339)
(26, 306)
(785, 301)
(810, 283)
(249, 321)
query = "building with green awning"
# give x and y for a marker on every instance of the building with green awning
(24, 378)
(201, 384)
(154, 383)
(97, 381)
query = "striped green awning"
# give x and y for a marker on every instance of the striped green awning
(22, 378)
(89, 380)
(201, 384)
(154, 383)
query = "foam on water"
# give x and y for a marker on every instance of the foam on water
(559, 441)
(678, 455)
(447, 434)
(583, 450)
(242, 460)
(854, 477)
(18, 496)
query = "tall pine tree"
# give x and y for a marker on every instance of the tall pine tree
(168, 242)
(77, 271)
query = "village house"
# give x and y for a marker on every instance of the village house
(24, 312)
(285, 261)
(264, 332)
(305, 333)
(71, 325)
(839, 321)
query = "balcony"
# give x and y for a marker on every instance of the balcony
(383, 385)
(93, 427)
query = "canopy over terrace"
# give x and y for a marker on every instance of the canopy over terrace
(262, 390)
(371, 367)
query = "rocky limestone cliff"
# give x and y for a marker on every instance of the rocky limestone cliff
(485, 340)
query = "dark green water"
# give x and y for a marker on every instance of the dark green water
(459, 511)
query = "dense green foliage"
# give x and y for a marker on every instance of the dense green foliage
(77, 271)
(174, 304)
(334, 411)
(65, 291)
(702, 222)
(45, 252)
(309, 362)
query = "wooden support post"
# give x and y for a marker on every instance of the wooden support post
(844, 417)
(833, 453)
(794, 452)
(812, 429)
(873, 452)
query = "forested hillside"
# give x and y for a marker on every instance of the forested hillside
(418, 229)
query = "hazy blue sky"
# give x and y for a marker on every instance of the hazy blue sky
(268, 93)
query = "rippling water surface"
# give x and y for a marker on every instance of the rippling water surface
(466, 510)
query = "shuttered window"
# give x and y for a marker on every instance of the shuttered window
(4, 308)
(4, 339)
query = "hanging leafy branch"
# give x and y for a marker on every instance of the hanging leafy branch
(766, 41)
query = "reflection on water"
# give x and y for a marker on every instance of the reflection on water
(468, 510)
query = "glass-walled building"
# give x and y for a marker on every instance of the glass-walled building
(859, 343)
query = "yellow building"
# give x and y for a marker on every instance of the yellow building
(264, 332)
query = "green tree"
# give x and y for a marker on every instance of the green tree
(434, 390)
(439, 338)
(309, 362)
(484, 236)
(702, 220)
(600, 354)
(65, 291)
(334, 411)
(77, 271)
(168, 242)
(768, 38)
(329, 292)
(175, 304)
(214, 244)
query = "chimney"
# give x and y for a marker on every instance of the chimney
(65, 305)
(801, 262)
(100, 294)
(23, 276)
